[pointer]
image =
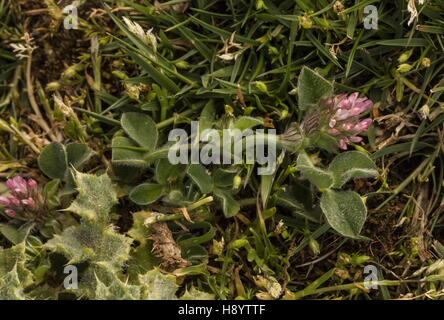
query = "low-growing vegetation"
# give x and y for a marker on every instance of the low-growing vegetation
(241, 149)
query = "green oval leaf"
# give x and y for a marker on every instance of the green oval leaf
(199, 175)
(167, 172)
(349, 165)
(229, 205)
(78, 154)
(141, 128)
(53, 161)
(345, 212)
(224, 177)
(16, 235)
(207, 116)
(319, 177)
(312, 87)
(123, 154)
(146, 193)
(244, 123)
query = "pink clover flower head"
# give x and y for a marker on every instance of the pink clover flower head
(23, 198)
(344, 123)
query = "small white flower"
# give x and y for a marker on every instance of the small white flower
(151, 39)
(23, 51)
(65, 109)
(227, 56)
(411, 7)
(224, 53)
(20, 50)
(147, 37)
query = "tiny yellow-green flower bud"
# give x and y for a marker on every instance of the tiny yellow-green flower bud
(262, 86)
(236, 182)
(260, 5)
(218, 247)
(118, 64)
(237, 244)
(273, 50)
(405, 67)
(53, 86)
(314, 246)
(69, 72)
(119, 74)
(284, 114)
(344, 258)
(248, 110)
(228, 109)
(294, 92)
(182, 64)
(405, 56)
(360, 259)
(305, 22)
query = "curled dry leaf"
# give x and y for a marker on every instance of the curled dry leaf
(166, 248)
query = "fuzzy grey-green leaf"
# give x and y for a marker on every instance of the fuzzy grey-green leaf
(146, 193)
(345, 212)
(351, 165)
(319, 177)
(167, 172)
(92, 241)
(157, 286)
(124, 155)
(312, 87)
(77, 154)
(53, 161)
(199, 175)
(141, 128)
